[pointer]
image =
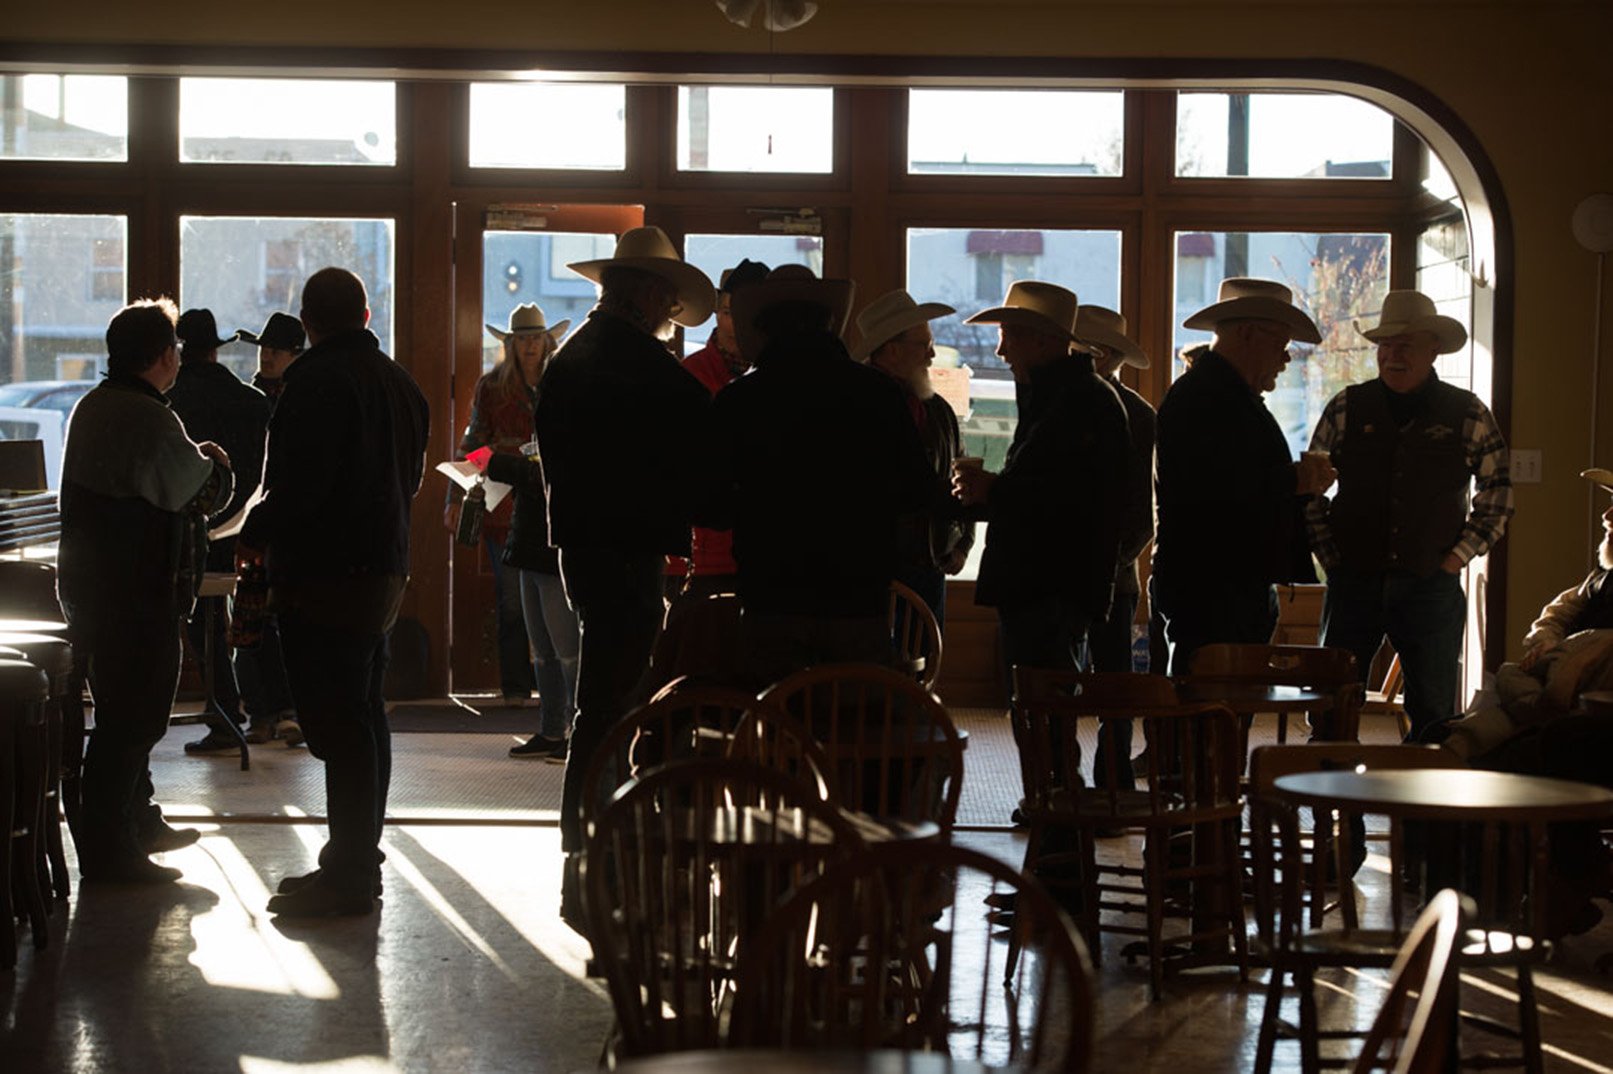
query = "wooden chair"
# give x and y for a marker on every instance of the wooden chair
(893, 752)
(1414, 1028)
(1387, 699)
(888, 949)
(684, 720)
(915, 634)
(1293, 875)
(768, 736)
(1329, 671)
(681, 866)
(1191, 787)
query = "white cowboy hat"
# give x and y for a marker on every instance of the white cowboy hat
(888, 316)
(1600, 476)
(528, 318)
(1106, 328)
(1405, 312)
(648, 249)
(787, 283)
(1046, 307)
(1246, 298)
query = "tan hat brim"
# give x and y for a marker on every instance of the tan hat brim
(1257, 308)
(1601, 477)
(1130, 352)
(1021, 316)
(888, 329)
(1449, 332)
(695, 292)
(554, 331)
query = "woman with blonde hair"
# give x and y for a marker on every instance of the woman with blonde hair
(533, 614)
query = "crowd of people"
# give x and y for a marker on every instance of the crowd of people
(773, 463)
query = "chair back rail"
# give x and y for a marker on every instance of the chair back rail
(915, 634)
(1413, 1030)
(888, 949)
(892, 750)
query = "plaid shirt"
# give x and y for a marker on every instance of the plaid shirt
(1486, 454)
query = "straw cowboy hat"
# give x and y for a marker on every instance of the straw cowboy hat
(528, 318)
(1106, 328)
(888, 316)
(1046, 307)
(1405, 312)
(649, 250)
(1602, 477)
(1245, 298)
(787, 283)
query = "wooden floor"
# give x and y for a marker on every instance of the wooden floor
(467, 968)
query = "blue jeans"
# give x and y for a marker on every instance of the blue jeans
(514, 658)
(617, 597)
(551, 627)
(1424, 619)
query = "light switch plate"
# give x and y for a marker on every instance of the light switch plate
(1525, 466)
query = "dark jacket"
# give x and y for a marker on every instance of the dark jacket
(135, 496)
(1055, 511)
(927, 538)
(527, 545)
(214, 405)
(616, 421)
(1224, 483)
(812, 458)
(1138, 528)
(345, 456)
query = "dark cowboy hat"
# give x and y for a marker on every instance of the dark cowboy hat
(199, 332)
(282, 332)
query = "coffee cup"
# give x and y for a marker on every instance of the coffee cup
(529, 451)
(968, 462)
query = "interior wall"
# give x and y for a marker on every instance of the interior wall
(1521, 75)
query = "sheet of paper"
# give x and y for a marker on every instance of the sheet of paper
(232, 525)
(465, 475)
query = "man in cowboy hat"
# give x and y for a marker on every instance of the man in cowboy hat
(214, 405)
(812, 458)
(615, 418)
(711, 567)
(261, 670)
(1055, 510)
(1228, 490)
(896, 340)
(279, 344)
(1400, 528)
(1103, 332)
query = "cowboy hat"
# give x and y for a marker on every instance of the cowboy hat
(888, 316)
(649, 250)
(1600, 476)
(528, 318)
(1046, 307)
(281, 332)
(788, 283)
(1246, 298)
(198, 331)
(742, 275)
(1405, 312)
(1106, 328)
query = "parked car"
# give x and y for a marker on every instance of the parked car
(38, 410)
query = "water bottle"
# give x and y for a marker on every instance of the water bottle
(470, 516)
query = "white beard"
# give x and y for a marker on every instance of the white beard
(1604, 554)
(920, 384)
(666, 331)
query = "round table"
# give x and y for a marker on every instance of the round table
(1449, 794)
(750, 1060)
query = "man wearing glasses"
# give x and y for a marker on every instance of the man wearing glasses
(1230, 494)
